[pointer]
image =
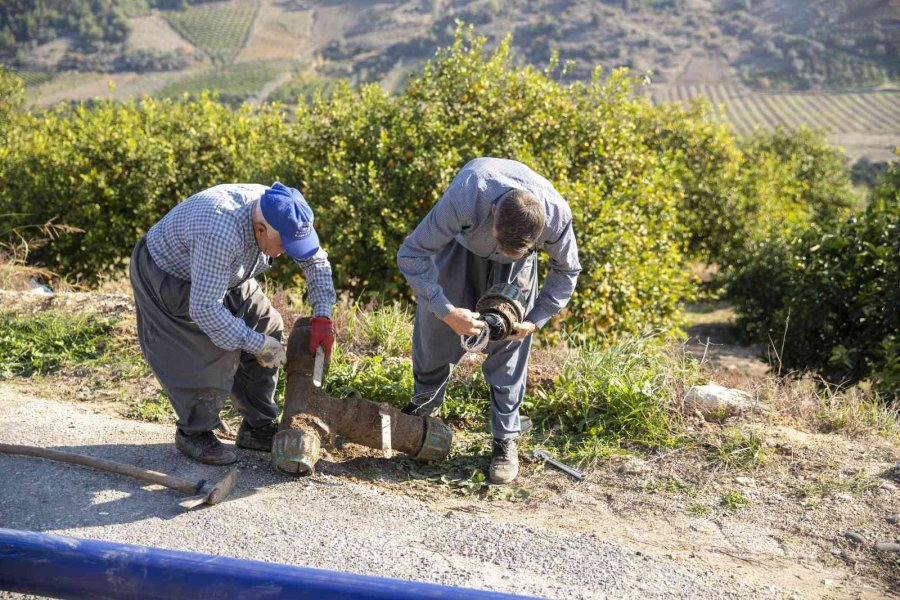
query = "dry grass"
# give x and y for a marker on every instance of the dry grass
(811, 404)
(17, 277)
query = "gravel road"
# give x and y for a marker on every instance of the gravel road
(325, 522)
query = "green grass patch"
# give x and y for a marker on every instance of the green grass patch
(736, 449)
(375, 378)
(234, 84)
(44, 343)
(134, 8)
(220, 29)
(620, 394)
(698, 510)
(853, 411)
(603, 400)
(828, 486)
(155, 408)
(386, 331)
(733, 501)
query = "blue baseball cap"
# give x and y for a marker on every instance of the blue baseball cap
(286, 210)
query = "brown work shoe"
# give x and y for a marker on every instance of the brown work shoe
(256, 438)
(504, 461)
(204, 447)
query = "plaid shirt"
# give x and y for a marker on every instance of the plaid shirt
(208, 240)
(464, 214)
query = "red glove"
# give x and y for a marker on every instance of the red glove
(322, 335)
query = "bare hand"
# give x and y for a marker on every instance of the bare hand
(463, 321)
(522, 330)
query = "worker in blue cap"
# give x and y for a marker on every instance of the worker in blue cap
(204, 324)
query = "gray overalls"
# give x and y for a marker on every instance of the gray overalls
(452, 258)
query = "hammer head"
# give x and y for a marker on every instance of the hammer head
(212, 494)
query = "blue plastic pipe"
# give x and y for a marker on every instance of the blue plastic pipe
(65, 567)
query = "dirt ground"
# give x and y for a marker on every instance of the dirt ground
(786, 537)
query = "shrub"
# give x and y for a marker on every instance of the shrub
(831, 296)
(787, 181)
(378, 164)
(707, 161)
(644, 182)
(12, 95)
(112, 170)
(823, 187)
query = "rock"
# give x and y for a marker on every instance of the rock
(855, 538)
(893, 519)
(715, 402)
(775, 499)
(745, 481)
(634, 466)
(887, 486)
(844, 496)
(887, 547)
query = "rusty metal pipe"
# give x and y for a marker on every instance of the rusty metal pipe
(311, 414)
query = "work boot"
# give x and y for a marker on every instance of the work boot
(504, 461)
(256, 438)
(204, 447)
(420, 411)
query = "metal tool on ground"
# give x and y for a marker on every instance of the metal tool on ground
(200, 492)
(561, 466)
(501, 308)
(310, 414)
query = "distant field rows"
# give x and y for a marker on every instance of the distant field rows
(838, 112)
(220, 29)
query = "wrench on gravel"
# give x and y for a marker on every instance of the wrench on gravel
(561, 466)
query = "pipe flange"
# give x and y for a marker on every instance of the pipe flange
(296, 451)
(437, 443)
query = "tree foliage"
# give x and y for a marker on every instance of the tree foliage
(831, 296)
(40, 21)
(646, 183)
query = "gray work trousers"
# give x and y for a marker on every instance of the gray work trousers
(464, 277)
(197, 375)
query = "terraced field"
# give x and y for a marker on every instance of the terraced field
(219, 29)
(875, 111)
(234, 83)
(866, 122)
(35, 78)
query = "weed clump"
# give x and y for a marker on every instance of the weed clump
(733, 501)
(44, 343)
(736, 449)
(614, 396)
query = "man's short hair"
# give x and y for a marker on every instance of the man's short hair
(519, 221)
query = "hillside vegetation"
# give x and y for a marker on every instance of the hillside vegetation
(27, 23)
(768, 62)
